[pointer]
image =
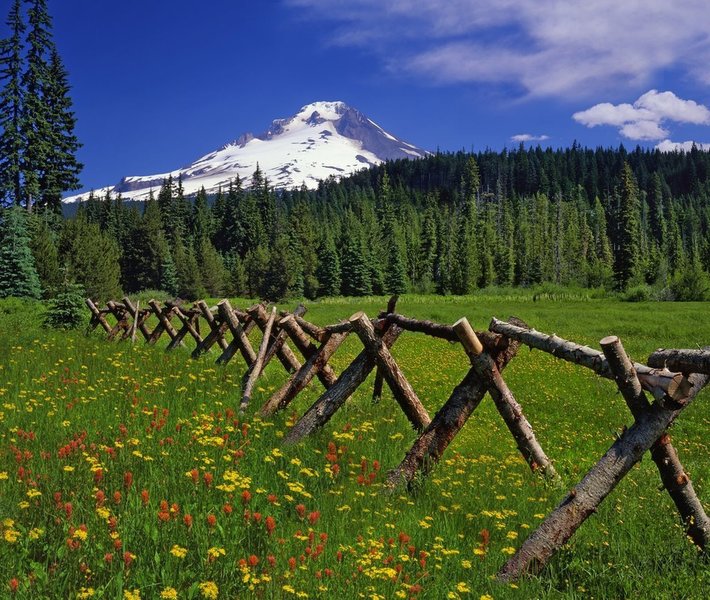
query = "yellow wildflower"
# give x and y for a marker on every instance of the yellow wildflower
(169, 593)
(209, 590)
(178, 551)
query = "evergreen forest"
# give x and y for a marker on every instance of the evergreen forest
(630, 222)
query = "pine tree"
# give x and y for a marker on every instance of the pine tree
(11, 100)
(44, 250)
(328, 271)
(626, 257)
(62, 169)
(66, 309)
(189, 279)
(36, 119)
(18, 276)
(211, 268)
(91, 258)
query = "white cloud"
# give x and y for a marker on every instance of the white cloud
(669, 146)
(643, 119)
(528, 137)
(546, 47)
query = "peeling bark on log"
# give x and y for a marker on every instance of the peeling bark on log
(662, 384)
(323, 409)
(97, 318)
(280, 339)
(255, 369)
(285, 354)
(504, 400)
(313, 366)
(686, 361)
(240, 340)
(451, 417)
(401, 389)
(583, 500)
(673, 476)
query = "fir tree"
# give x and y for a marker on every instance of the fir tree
(44, 250)
(66, 309)
(11, 100)
(62, 169)
(626, 257)
(18, 276)
(328, 271)
(36, 120)
(354, 269)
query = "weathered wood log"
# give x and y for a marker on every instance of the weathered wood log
(504, 400)
(164, 315)
(280, 339)
(401, 389)
(379, 375)
(136, 316)
(686, 361)
(662, 384)
(97, 318)
(255, 368)
(139, 318)
(240, 339)
(597, 484)
(673, 476)
(325, 373)
(325, 407)
(313, 366)
(121, 321)
(317, 333)
(190, 320)
(429, 328)
(284, 354)
(217, 329)
(451, 417)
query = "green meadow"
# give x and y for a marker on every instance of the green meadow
(126, 472)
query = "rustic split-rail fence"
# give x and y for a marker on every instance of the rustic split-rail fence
(672, 378)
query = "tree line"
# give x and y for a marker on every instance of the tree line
(451, 223)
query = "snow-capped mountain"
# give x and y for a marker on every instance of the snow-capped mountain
(320, 140)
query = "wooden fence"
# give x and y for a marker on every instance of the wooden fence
(673, 379)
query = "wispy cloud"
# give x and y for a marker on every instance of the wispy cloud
(545, 47)
(647, 118)
(528, 137)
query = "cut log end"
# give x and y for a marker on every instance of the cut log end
(468, 337)
(609, 340)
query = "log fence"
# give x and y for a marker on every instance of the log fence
(673, 378)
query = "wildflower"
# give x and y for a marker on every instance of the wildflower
(270, 524)
(313, 517)
(178, 551)
(11, 535)
(227, 509)
(117, 497)
(85, 593)
(128, 558)
(14, 584)
(187, 519)
(132, 595)
(145, 497)
(246, 497)
(127, 479)
(301, 510)
(214, 553)
(209, 590)
(169, 593)
(462, 588)
(211, 520)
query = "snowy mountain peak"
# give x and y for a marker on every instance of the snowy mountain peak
(323, 139)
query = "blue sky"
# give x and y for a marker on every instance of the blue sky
(158, 83)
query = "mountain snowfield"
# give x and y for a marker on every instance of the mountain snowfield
(323, 139)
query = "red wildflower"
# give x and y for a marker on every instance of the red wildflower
(253, 560)
(127, 479)
(14, 584)
(246, 497)
(117, 497)
(301, 510)
(145, 497)
(313, 517)
(227, 509)
(211, 520)
(207, 478)
(270, 524)
(187, 519)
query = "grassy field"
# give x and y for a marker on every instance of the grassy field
(125, 472)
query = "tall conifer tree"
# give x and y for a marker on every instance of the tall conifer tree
(11, 99)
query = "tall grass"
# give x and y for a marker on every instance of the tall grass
(125, 471)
